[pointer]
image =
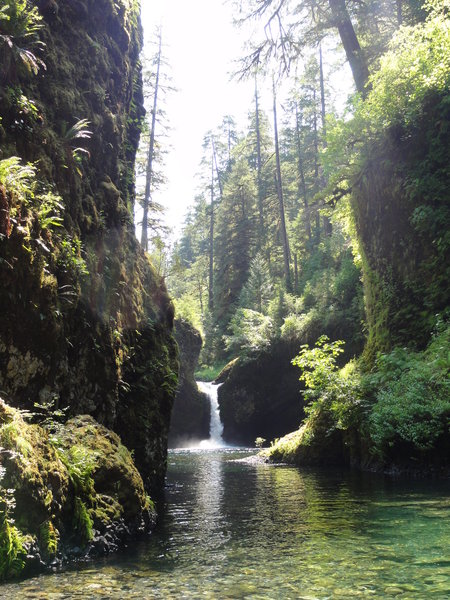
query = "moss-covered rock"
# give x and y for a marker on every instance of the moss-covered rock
(33, 469)
(73, 492)
(191, 409)
(316, 442)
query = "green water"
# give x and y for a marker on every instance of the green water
(234, 530)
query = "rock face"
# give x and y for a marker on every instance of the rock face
(87, 322)
(402, 214)
(260, 397)
(191, 409)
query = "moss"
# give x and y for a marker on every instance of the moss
(102, 471)
(316, 442)
(33, 469)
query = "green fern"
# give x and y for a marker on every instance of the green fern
(20, 24)
(18, 179)
(82, 521)
(48, 539)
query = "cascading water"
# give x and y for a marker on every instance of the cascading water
(215, 424)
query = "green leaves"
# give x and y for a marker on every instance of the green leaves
(412, 392)
(319, 363)
(20, 24)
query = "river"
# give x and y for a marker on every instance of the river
(237, 530)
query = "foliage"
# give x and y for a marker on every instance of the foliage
(20, 23)
(258, 289)
(327, 387)
(12, 549)
(80, 463)
(18, 179)
(70, 258)
(209, 373)
(412, 396)
(82, 521)
(48, 539)
(417, 63)
(250, 330)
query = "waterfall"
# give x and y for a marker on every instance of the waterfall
(215, 425)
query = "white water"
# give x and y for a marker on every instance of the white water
(215, 424)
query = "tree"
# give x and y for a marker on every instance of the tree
(292, 26)
(286, 253)
(156, 85)
(258, 289)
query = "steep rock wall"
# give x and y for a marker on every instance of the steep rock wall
(88, 321)
(401, 203)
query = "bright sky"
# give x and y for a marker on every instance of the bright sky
(201, 45)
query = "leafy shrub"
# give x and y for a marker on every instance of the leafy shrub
(417, 63)
(412, 391)
(20, 23)
(328, 387)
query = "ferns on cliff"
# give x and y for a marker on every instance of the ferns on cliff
(20, 23)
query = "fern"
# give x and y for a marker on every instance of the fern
(17, 178)
(82, 521)
(79, 130)
(48, 539)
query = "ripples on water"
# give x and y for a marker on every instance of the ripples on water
(234, 530)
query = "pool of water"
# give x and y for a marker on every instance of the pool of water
(237, 530)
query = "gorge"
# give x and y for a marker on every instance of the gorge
(308, 290)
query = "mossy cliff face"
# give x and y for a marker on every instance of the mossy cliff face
(260, 397)
(76, 493)
(401, 203)
(88, 321)
(191, 409)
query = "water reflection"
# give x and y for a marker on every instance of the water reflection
(235, 530)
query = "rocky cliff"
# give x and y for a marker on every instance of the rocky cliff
(87, 321)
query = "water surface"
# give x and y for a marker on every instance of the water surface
(234, 530)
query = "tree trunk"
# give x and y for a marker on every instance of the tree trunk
(302, 191)
(351, 45)
(219, 180)
(151, 149)
(211, 239)
(322, 97)
(327, 227)
(259, 169)
(399, 12)
(295, 274)
(316, 167)
(287, 273)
